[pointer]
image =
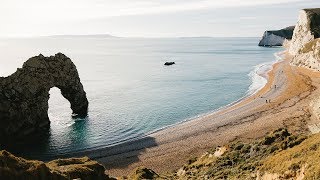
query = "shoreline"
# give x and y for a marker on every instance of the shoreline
(91, 152)
(251, 118)
(263, 74)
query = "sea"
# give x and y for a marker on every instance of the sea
(131, 93)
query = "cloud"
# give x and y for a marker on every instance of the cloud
(17, 15)
(79, 9)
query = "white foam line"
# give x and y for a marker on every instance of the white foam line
(260, 73)
(256, 72)
(259, 80)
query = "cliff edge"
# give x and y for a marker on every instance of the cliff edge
(307, 29)
(12, 167)
(276, 38)
(305, 42)
(24, 95)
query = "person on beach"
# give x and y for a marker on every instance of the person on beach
(275, 86)
(266, 100)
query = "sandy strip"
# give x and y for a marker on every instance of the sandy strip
(169, 149)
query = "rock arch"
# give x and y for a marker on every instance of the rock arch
(24, 95)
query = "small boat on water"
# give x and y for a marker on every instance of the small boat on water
(169, 63)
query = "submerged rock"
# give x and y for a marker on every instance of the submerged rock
(12, 167)
(169, 63)
(276, 38)
(24, 95)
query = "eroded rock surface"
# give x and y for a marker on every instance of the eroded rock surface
(276, 38)
(12, 167)
(24, 95)
(306, 30)
(308, 56)
(305, 44)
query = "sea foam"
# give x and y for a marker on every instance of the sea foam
(260, 73)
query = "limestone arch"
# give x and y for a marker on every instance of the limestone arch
(24, 95)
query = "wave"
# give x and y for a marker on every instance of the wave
(259, 78)
(260, 72)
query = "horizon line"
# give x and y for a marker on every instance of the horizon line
(113, 36)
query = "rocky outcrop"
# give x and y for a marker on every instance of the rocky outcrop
(308, 56)
(307, 29)
(143, 173)
(276, 38)
(169, 63)
(305, 43)
(16, 168)
(24, 95)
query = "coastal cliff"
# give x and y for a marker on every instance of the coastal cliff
(276, 38)
(307, 29)
(24, 95)
(305, 43)
(308, 56)
(280, 154)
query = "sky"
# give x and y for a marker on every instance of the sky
(148, 18)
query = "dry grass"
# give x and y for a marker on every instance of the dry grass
(143, 173)
(241, 161)
(310, 46)
(307, 153)
(16, 168)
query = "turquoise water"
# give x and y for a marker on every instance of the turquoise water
(131, 93)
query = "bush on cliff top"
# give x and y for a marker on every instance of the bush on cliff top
(16, 168)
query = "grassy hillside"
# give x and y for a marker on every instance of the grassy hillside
(280, 155)
(304, 158)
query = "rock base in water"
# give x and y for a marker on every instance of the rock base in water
(276, 38)
(24, 95)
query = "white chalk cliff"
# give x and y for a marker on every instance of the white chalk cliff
(305, 44)
(276, 37)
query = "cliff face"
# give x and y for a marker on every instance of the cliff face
(276, 38)
(305, 43)
(12, 167)
(308, 56)
(24, 95)
(307, 29)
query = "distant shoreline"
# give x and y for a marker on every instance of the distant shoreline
(158, 148)
(251, 118)
(96, 152)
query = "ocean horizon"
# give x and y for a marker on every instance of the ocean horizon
(131, 93)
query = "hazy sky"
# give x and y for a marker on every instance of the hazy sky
(148, 18)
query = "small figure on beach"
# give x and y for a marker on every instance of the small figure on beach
(275, 86)
(266, 100)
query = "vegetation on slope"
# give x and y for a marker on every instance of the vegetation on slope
(16, 168)
(305, 157)
(238, 160)
(280, 155)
